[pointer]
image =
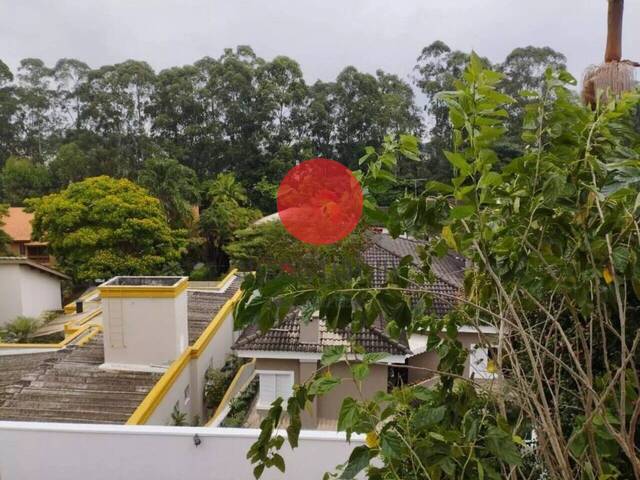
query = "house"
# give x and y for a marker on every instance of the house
(17, 224)
(145, 350)
(290, 352)
(28, 288)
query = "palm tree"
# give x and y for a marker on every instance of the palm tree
(615, 75)
(175, 185)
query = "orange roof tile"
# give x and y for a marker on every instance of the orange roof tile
(18, 224)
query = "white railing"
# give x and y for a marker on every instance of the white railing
(57, 451)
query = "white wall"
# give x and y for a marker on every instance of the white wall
(144, 331)
(214, 354)
(35, 451)
(27, 291)
(40, 291)
(10, 297)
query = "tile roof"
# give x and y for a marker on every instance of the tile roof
(381, 253)
(384, 252)
(17, 224)
(286, 338)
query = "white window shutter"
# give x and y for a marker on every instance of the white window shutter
(267, 390)
(284, 385)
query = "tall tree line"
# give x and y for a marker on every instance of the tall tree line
(236, 113)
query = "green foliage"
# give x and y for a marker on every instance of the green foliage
(227, 212)
(215, 386)
(4, 238)
(178, 417)
(175, 185)
(237, 112)
(21, 178)
(269, 245)
(69, 165)
(217, 381)
(553, 240)
(240, 406)
(20, 330)
(102, 227)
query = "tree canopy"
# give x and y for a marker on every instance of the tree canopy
(238, 112)
(102, 227)
(552, 239)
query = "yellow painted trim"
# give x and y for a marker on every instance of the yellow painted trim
(214, 325)
(68, 339)
(70, 308)
(160, 291)
(73, 325)
(227, 277)
(226, 398)
(162, 386)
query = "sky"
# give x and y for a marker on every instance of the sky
(324, 36)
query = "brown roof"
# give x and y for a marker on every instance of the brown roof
(444, 293)
(382, 253)
(449, 269)
(30, 263)
(17, 224)
(286, 338)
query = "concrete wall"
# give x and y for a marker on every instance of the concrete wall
(213, 355)
(35, 451)
(144, 331)
(26, 291)
(429, 360)
(329, 404)
(40, 291)
(10, 296)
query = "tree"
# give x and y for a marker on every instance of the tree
(558, 276)
(226, 213)
(69, 165)
(8, 108)
(102, 227)
(20, 179)
(269, 246)
(4, 238)
(175, 185)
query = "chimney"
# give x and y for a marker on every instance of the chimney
(145, 322)
(310, 331)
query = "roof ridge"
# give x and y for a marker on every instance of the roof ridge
(387, 338)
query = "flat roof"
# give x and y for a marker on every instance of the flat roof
(130, 281)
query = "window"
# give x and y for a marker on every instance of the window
(274, 384)
(480, 360)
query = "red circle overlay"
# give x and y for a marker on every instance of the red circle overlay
(320, 201)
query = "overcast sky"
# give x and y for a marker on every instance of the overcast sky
(322, 35)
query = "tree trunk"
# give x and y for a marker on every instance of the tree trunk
(613, 53)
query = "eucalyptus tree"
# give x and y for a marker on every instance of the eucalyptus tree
(116, 99)
(8, 107)
(35, 106)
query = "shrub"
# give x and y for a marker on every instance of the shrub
(239, 406)
(21, 329)
(178, 418)
(215, 386)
